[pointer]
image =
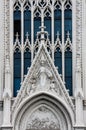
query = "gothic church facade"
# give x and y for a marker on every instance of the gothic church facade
(43, 65)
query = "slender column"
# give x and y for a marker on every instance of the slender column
(12, 42)
(1, 46)
(7, 97)
(73, 43)
(7, 89)
(32, 33)
(22, 43)
(63, 70)
(84, 47)
(53, 31)
(79, 102)
(78, 91)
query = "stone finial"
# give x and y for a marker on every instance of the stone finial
(68, 34)
(27, 35)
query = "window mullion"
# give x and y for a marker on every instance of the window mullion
(22, 40)
(63, 70)
(52, 33)
(32, 34)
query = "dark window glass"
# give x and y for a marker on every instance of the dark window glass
(37, 24)
(27, 60)
(58, 60)
(27, 23)
(57, 22)
(68, 22)
(17, 71)
(17, 23)
(68, 70)
(47, 24)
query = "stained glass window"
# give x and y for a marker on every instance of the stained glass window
(57, 22)
(27, 60)
(68, 70)
(27, 23)
(17, 71)
(17, 22)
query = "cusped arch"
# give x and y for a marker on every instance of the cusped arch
(53, 104)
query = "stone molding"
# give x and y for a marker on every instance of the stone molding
(78, 33)
(29, 111)
(33, 79)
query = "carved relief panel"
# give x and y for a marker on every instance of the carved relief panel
(43, 119)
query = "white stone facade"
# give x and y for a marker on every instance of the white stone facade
(43, 101)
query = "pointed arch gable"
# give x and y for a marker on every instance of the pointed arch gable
(44, 98)
(22, 99)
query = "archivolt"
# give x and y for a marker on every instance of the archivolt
(56, 106)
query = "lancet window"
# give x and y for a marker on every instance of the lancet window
(29, 16)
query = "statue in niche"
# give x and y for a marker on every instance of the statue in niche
(54, 88)
(32, 88)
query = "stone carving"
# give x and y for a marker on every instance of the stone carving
(79, 33)
(41, 77)
(43, 80)
(38, 124)
(43, 119)
(44, 73)
(31, 87)
(54, 88)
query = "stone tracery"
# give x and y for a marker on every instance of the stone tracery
(42, 10)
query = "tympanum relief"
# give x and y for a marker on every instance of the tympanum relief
(43, 119)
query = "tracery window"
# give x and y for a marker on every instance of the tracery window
(17, 20)
(27, 20)
(57, 19)
(47, 21)
(17, 71)
(68, 19)
(37, 22)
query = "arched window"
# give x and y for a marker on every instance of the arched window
(68, 20)
(27, 21)
(68, 44)
(17, 21)
(47, 22)
(57, 21)
(17, 71)
(68, 70)
(63, 41)
(17, 53)
(37, 22)
(57, 18)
